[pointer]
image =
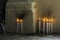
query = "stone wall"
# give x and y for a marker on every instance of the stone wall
(13, 8)
(42, 7)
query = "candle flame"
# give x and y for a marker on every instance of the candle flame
(44, 20)
(17, 19)
(21, 20)
(52, 20)
(49, 20)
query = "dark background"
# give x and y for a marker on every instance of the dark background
(2, 12)
(2, 9)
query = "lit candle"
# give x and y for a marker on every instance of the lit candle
(39, 25)
(21, 22)
(44, 25)
(47, 25)
(17, 25)
(52, 20)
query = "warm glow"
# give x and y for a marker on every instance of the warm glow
(17, 19)
(21, 20)
(39, 19)
(52, 20)
(49, 20)
(44, 20)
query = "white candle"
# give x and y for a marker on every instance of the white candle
(51, 28)
(17, 25)
(21, 27)
(47, 26)
(43, 25)
(52, 24)
(21, 22)
(39, 25)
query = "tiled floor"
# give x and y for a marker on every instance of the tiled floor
(25, 37)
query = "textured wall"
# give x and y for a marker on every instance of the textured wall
(42, 10)
(54, 6)
(13, 8)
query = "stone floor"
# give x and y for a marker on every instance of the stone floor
(29, 37)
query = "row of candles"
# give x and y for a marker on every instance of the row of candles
(19, 22)
(48, 24)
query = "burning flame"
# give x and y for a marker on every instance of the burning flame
(48, 19)
(44, 19)
(17, 19)
(52, 20)
(21, 20)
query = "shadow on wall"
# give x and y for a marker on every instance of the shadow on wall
(47, 11)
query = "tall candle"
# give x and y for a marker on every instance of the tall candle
(49, 28)
(21, 22)
(17, 25)
(47, 25)
(43, 25)
(52, 20)
(39, 25)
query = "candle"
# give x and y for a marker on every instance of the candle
(47, 26)
(43, 25)
(21, 22)
(39, 25)
(52, 20)
(17, 25)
